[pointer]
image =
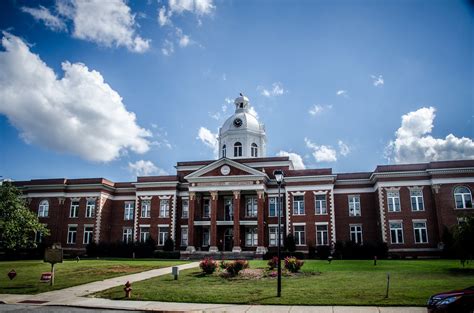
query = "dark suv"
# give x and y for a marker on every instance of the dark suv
(456, 301)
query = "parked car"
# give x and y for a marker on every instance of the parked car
(456, 301)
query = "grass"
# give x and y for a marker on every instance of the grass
(339, 283)
(70, 273)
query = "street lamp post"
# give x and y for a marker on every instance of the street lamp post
(279, 179)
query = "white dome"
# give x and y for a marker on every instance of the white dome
(249, 122)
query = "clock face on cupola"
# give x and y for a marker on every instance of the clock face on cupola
(242, 135)
(237, 122)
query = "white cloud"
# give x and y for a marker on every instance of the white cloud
(164, 16)
(344, 149)
(78, 113)
(342, 93)
(209, 139)
(295, 158)
(318, 109)
(183, 40)
(377, 80)
(167, 48)
(216, 116)
(414, 144)
(44, 15)
(108, 23)
(321, 153)
(145, 168)
(276, 90)
(198, 7)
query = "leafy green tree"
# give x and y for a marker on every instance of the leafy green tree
(464, 240)
(18, 224)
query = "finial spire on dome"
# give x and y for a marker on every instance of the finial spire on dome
(241, 103)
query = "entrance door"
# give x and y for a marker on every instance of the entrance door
(228, 239)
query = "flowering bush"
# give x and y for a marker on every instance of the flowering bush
(233, 268)
(293, 264)
(273, 262)
(208, 265)
(223, 265)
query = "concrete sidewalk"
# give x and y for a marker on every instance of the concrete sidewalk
(75, 297)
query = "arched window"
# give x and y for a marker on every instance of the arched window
(254, 150)
(237, 149)
(224, 151)
(43, 210)
(462, 197)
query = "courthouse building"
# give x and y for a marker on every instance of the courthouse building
(230, 204)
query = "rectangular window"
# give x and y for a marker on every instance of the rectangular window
(251, 237)
(146, 209)
(128, 212)
(74, 209)
(298, 205)
(127, 235)
(299, 234)
(38, 237)
(43, 210)
(144, 234)
(273, 235)
(88, 233)
(185, 212)
(206, 210)
(417, 200)
(251, 207)
(320, 205)
(184, 236)
(322, 235)
(71, 234)
(272, 207)
(393, 199)
(162, 235)
(396, 232)
(354, 205)
(421, 234)
(206, 238)
(356, 233)
(228, 209)
(164, 208)
(90, 208)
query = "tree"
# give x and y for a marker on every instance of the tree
(464, 239)
(18, 224)
(290, 244)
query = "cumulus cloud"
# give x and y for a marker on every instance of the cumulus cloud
(253, 111)
(78, 113)
(318, 109)
(342, 93)
(413, 142)
(164, 16)
(167, 48)
(198, 7)
(276, 90)
(321, 153)
(110, 23)
(145, 168)
(209, 139)
(295, 158)
(377, 80)
(43, 14)
(183, 40)
(344, 149)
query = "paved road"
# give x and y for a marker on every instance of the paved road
(20, 308)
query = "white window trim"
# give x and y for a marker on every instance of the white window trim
(463, 199)
(294, 233)
(84, 234)
(349, 205)
(414, 232)
(361, 232)
(325, 201)
(316, 224)
(402, 230)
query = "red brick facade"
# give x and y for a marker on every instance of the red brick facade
(208, 208)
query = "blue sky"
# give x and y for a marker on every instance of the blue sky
(341, 84)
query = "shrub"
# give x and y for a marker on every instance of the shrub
(323, 252)
(284, 254)
(169, 244)
(208, 265)
(233, 268)
(273, 263)
(290, 244)
(293, 264)
(158, 254)
(351, 250)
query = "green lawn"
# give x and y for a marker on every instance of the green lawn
(70, 273)
(339, 283)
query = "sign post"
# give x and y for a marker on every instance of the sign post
(53, 255)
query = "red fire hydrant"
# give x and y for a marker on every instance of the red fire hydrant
(128, 289)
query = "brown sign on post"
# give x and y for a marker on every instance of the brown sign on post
(53, 256)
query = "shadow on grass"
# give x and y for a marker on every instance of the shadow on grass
(18, 287)
(461, 271)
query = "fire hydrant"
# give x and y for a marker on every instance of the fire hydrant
(128, 289)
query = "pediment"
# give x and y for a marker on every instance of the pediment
(225, 168)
